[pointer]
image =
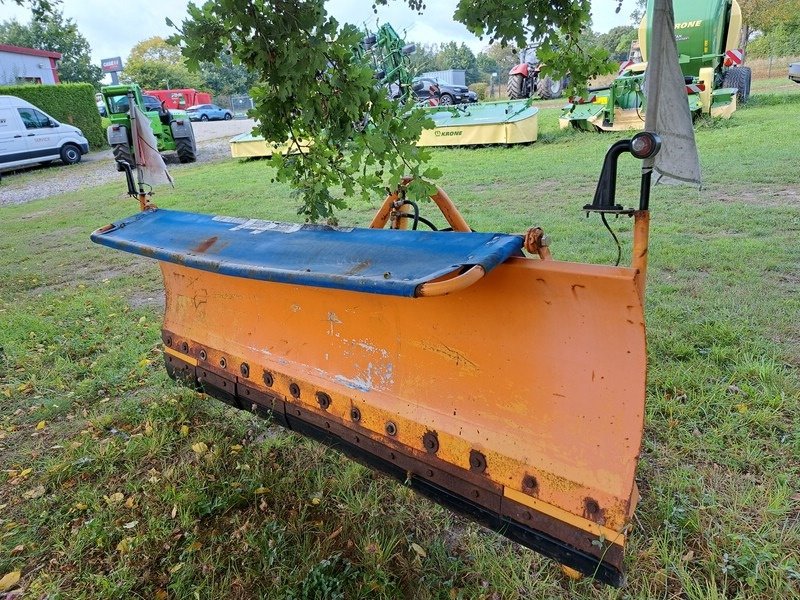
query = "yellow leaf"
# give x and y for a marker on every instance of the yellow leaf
(9, 580)
(184, 430)
(7, 392)
(236, 448)
(162, 595)
(144, 362)
(34, 493)
(40, 425)
(315, 500)
(200, 448)
(264, 490)
(130, 502)
(124, 545)
(114, 498)
(419, 550)
(176, 568)
(25, 472)
(81, 506)
(742, 408)
(195, 546)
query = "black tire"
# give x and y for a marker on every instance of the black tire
(515, 87)
(204, 117)
(122, 153)
(228, 116)
(186, 148)
(739, 78)
(446, 100)
(549, 88)
(70, 154)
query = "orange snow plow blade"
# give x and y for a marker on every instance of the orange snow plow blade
(505, 387)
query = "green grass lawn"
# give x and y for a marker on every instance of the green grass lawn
(116, 483)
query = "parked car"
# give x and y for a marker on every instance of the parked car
(29, 136)
(448, 94)
(151, 103)
(208, 112)
(794, 72)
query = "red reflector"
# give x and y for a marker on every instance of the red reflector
(581, 100)
(115, 127)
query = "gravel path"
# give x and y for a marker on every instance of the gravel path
(97, 168)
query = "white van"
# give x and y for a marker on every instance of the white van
(29, 136)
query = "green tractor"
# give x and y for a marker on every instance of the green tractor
(172, 128)
(707, 34)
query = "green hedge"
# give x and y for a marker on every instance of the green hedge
(71, 103)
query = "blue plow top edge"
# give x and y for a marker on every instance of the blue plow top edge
(378, 261)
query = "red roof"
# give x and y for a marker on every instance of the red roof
(29, 51)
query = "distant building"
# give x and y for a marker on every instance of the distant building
(451, 76)
(27, 65)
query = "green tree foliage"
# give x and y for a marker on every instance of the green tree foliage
(617, 41)
(424, 58)
(226, 77)
(53, 32)
(505, 57)
(155, 64)
(781, 40)
(765, 16)
(313, 85)
(486, 64)
(39, 8)
(455, 56)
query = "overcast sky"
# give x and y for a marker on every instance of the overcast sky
(114, 27)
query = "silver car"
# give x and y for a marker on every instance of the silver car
(794, 72)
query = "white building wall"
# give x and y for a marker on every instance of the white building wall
(16, 66)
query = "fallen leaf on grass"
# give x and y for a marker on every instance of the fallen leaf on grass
(419, 550)
(81, 506)
(16, 550)
(41, 425)
(130, 502)
(264, 490)
(184, 430)
(174, 569)
(114, 498)
(9, 580)
(200, 448)
(174, 510)
(25, 472)
(34, 493)
(7, 392)
(130, 525)
(124, 545)
(161, 595)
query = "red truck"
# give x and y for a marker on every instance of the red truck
(182, 98)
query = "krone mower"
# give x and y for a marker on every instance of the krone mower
(707, 34)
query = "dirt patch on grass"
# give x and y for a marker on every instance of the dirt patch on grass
(147, 299)
(763, 195)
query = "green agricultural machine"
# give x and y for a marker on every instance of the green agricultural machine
(707, 35)
(172, 128)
